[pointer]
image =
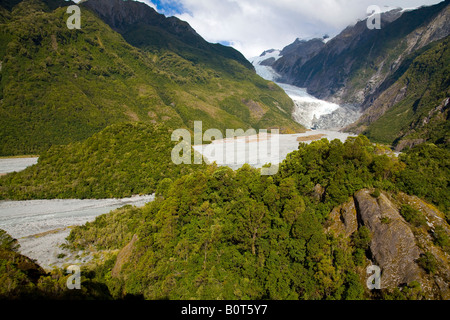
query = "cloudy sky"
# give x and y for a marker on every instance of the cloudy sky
(252, 26)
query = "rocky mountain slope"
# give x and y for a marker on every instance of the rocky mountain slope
(143, 27)
(59, 85)
(413, 107)
(295, 55)
(353, 64)
(392, 74)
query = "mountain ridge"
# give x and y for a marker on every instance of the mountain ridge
(369, 70)
(414, 108)
(59, 85)
(130, 18)
(332, 74)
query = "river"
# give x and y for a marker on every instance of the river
(8, 165)
(251, 149)
(41, 226)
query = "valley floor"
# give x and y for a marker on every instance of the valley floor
(246, 149)
(12, 164)
(41, 226)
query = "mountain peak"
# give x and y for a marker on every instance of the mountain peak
(120, 15)
(268, 52)
(143, 27)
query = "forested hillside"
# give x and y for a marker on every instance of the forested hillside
(120, 161)
(59, 85)
(223, 234)
(99, 105)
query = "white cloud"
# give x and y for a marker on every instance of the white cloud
(149, 3)
(252, 26)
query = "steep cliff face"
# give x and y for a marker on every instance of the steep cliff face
(295, 55)
(121, 16)
(399, 247)
(351, 67)
(393, 246)
(123, 256)
(414, 108)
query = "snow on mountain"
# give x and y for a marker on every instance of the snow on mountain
(307, 108)
(263, 69)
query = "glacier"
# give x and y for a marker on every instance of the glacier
(309, 111)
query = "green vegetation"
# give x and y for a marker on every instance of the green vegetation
(376, 193)
(223, 234)
(211, 233)
(441, 238)
(21, 278)
(59, 86)
(129, 159)
(422, 114)
(361, 240)
(428, 262)
(104, 234)
(412, 216)
(411, 291)
(120, 161)
(216, 236)
(426, 175)
(7, 242)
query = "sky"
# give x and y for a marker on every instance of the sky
(252, 26)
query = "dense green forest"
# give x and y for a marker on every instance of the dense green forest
(216, 233)
(22, 278)
(99, 107)
(224, 234)
(120, 161)
(59, 86)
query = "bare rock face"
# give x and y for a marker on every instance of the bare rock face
(396, 245)
(123, 257)
(439, 283)
(393, 244)
(318, 192)
(343, 219)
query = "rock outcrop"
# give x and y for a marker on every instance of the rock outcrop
(343, 219)
(393, 246)
(396, 246)
(295, 55)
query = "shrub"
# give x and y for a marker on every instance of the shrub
(412, 216)
(428, 262)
